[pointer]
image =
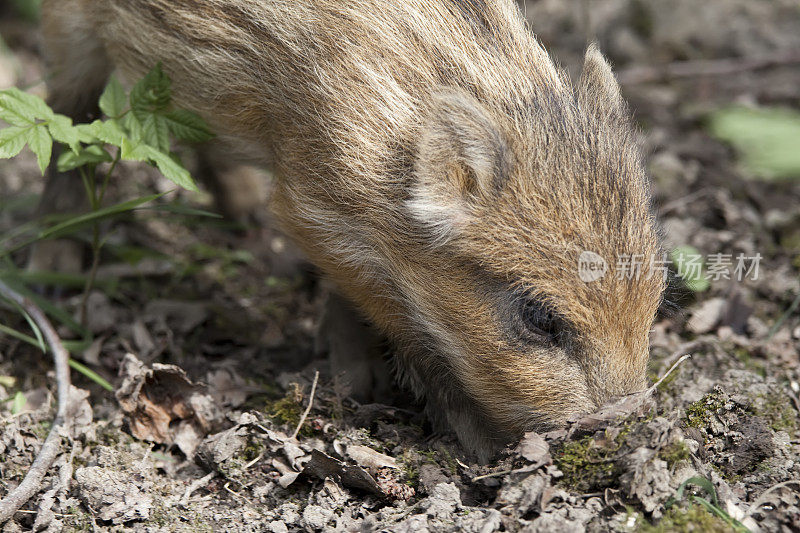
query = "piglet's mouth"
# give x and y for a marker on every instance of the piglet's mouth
(639, 403)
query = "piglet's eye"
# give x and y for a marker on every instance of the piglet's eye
(539, 321)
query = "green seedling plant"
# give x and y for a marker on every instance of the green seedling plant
(712, 505)
(139, 126)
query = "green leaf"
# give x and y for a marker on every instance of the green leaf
(132, 150)
(11, 332)
(25, 105)
(77, 346)
(110, 132)
(133, 127)
(188, 126)
(34, 327)
(19, 403)
(12, 117)
(107, 131)
(86, 133)
(171, 169)
(41, 144)
(701, 482)
(113, 100)
(91, 155)
(63, 131)
(767, 138)
(151, 94)
(16, 109)
(179, 209)
(50, 279)
(12, 141)
(91, 374)
(689, 265)
(74, 223)
(155, 132)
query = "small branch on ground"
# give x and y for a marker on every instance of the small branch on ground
(497, 474)
(52, 444)
(756, 505)
(655, 385)
(308, 407)
(196, 484)
(705, 67)
(681, 350)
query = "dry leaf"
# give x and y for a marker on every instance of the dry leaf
(369, 458)
(535, 449)
(163, 406)
(324, 466)
(112, 496)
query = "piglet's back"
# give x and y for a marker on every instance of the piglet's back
(320, 72)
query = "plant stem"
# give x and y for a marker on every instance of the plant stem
(792, 308)
(108, 175)
(90, 182)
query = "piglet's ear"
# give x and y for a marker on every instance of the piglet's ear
(460, 160)
(599, 90)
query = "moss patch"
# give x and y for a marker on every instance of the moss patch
(674, 453)
(699, 414)
(409, 465)
(749, 362)
(692, 518)
(588, 465)
(288, 410)
(777, 410)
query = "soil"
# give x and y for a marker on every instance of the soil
(207, 330)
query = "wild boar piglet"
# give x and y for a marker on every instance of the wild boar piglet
(436, 165)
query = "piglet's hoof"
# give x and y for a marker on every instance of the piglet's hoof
(355, 352)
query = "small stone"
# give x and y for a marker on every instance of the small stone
(316, 517)
(707, 316)
(276, 526)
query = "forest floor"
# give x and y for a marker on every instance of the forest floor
(210, 327)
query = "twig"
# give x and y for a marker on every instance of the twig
(681, 350)
(794, 398)
(666, 375)
(462, 465)
(234, 493)
(705, 67)
(196, 484)
(761, 500)
(52, 444)
(57, 515)
(308, 407)
(494, 474)
(254, 461)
